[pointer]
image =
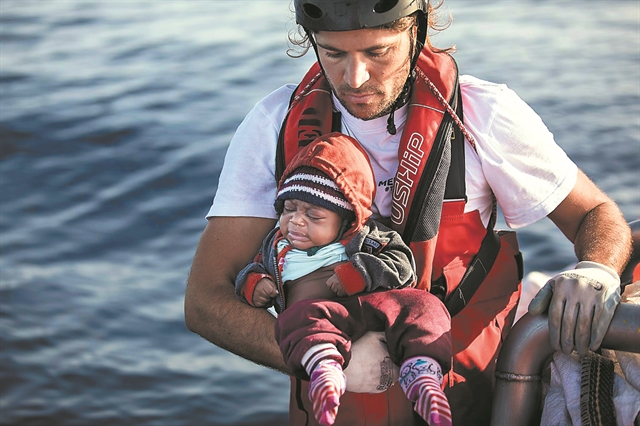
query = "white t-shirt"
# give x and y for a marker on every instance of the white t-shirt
(516, 156)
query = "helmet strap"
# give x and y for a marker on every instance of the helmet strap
(315, 48)
(403, 97)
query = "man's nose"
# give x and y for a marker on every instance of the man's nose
(356, 73)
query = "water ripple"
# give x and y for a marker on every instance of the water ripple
(114, 122)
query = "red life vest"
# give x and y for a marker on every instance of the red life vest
(449, 246)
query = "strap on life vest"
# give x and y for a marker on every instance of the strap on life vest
(425, 202)
(310, 115)
(476, 272)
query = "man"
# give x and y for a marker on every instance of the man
(402, 104)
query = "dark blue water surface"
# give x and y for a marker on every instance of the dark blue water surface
(114, 121)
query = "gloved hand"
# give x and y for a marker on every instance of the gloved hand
(581, 304)
(370, 369)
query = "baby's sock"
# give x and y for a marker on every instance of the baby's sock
(420, 378)
(327, 382)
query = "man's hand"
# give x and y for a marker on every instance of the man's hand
(264, 293)
(335, 285)
(370, 369)
(581, 304)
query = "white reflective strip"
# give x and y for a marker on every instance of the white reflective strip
(314, 178)
(330, 198)
(441, 111)
(316, 353)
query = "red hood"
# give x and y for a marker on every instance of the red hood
(342, 159)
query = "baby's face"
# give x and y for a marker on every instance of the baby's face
(307, 225)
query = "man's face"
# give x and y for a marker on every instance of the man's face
(366, 68)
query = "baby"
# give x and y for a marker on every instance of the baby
(333, 273)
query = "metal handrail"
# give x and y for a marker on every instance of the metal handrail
(518, 370)
(627, 274)
(516, 399)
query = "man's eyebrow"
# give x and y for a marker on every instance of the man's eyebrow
(368, 49)
(327, 47)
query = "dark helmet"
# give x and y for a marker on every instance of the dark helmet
(346, 15)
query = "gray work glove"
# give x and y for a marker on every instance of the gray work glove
(581, 304)
(370, 369)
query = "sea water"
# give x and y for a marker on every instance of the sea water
(114, 120)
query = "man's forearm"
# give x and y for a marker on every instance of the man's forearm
(212, 309)
(594, 224)
(604, 237)
(235, 326)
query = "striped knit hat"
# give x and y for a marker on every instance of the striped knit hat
(312, 186)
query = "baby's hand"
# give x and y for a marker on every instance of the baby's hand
(336, 286)
(264, 293)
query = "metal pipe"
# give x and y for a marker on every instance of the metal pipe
(626, 276)
(516, 398)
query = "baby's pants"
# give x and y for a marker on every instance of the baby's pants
(416, 323)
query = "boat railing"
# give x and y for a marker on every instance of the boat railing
(527, 348)
(524, 353)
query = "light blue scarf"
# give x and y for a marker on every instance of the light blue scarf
(297, 263)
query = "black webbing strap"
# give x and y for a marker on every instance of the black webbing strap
(336, 121)
(477, 271)
(455, 188)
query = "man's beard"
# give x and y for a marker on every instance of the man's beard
(384, 106)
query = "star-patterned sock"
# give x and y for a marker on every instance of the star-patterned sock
(420, 378)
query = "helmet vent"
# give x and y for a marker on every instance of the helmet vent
(312, 11)
(383, 6)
